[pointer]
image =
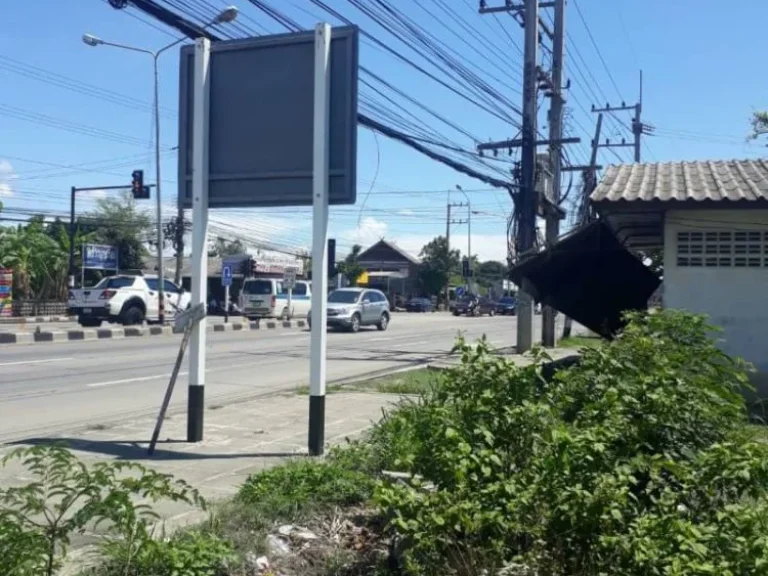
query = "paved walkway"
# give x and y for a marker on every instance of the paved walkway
(240, 438)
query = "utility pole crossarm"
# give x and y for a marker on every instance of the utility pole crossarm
(484, 9)
(517, 143)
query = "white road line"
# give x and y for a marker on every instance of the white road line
(127, 380)
(166, 376)
(382, 339)
(43, 361)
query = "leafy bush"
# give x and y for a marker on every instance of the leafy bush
(38, 520)
(190, 553)
(302, 487)
(633, 462)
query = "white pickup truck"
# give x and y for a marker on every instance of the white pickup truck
(126, 300)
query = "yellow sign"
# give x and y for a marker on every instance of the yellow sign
(363, 278)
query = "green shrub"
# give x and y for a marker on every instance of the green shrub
(302, 487)
(632, 462)
(189, 553)
(37, 520)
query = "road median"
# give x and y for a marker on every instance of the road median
(119, 333)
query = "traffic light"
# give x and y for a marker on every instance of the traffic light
(465, 268)
(139, 191)
(331, 257)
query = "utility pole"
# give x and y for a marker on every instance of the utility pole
(638, 128)
(548, 332)
(527, 223)
(448, 223)
(448, 243)
(469, 235)
(589, 182)
(529, 203)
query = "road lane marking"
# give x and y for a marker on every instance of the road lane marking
(167, 376)
(128, 380)
(43, 361)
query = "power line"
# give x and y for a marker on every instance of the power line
(597, 48)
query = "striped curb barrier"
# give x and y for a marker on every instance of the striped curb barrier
(37, 319)
(91, 334)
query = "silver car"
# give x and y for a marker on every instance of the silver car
(351, 308)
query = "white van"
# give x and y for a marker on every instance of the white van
(266, 298)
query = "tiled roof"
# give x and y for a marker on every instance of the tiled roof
(722, 180)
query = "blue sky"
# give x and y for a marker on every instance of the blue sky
(702, 71)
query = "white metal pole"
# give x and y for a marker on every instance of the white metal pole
(160, 272)
(317, 371)
(226, 303)
(290, 303)
(196, 395)
(82, 267)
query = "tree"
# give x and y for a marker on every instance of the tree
(350, 267)
(116, 222)
(38, 262)
(489, 272)
(173, 234)
(222, 248)
(438, 262)
(759, 125)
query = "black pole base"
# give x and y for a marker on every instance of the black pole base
(316, 425)
(195, 412)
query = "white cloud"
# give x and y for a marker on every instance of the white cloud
(92, 194)
(484, 246)
(368, 232)
(7, 174)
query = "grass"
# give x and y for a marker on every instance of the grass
(409, 382)
(580, 342)
(298, 492)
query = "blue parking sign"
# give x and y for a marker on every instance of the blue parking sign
(226, 275)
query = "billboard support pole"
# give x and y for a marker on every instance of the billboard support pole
(319, 333)
(196, 389)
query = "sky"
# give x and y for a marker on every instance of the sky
(75, 115)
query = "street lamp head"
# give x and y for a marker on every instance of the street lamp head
(92, 40)
(458, 187)
(227, 15)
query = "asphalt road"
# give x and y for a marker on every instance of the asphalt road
(46, 388)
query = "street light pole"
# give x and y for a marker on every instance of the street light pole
(226, 15)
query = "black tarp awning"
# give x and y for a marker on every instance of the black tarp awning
(590, 277)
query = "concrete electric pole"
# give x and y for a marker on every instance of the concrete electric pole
(529, 203)
(548, 332)
(638, 128)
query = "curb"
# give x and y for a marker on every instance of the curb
(131, 332)
(36, 319)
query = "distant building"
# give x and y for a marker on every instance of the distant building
(389, 269)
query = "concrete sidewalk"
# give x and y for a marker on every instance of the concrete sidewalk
(240, 438)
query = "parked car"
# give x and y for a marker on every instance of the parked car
(127, 300)
(419, 305)
(474, 306)
(352, 308)
(506, 306)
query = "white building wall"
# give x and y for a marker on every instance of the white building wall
(735, 297)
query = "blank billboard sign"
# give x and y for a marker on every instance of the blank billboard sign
(261, 120)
